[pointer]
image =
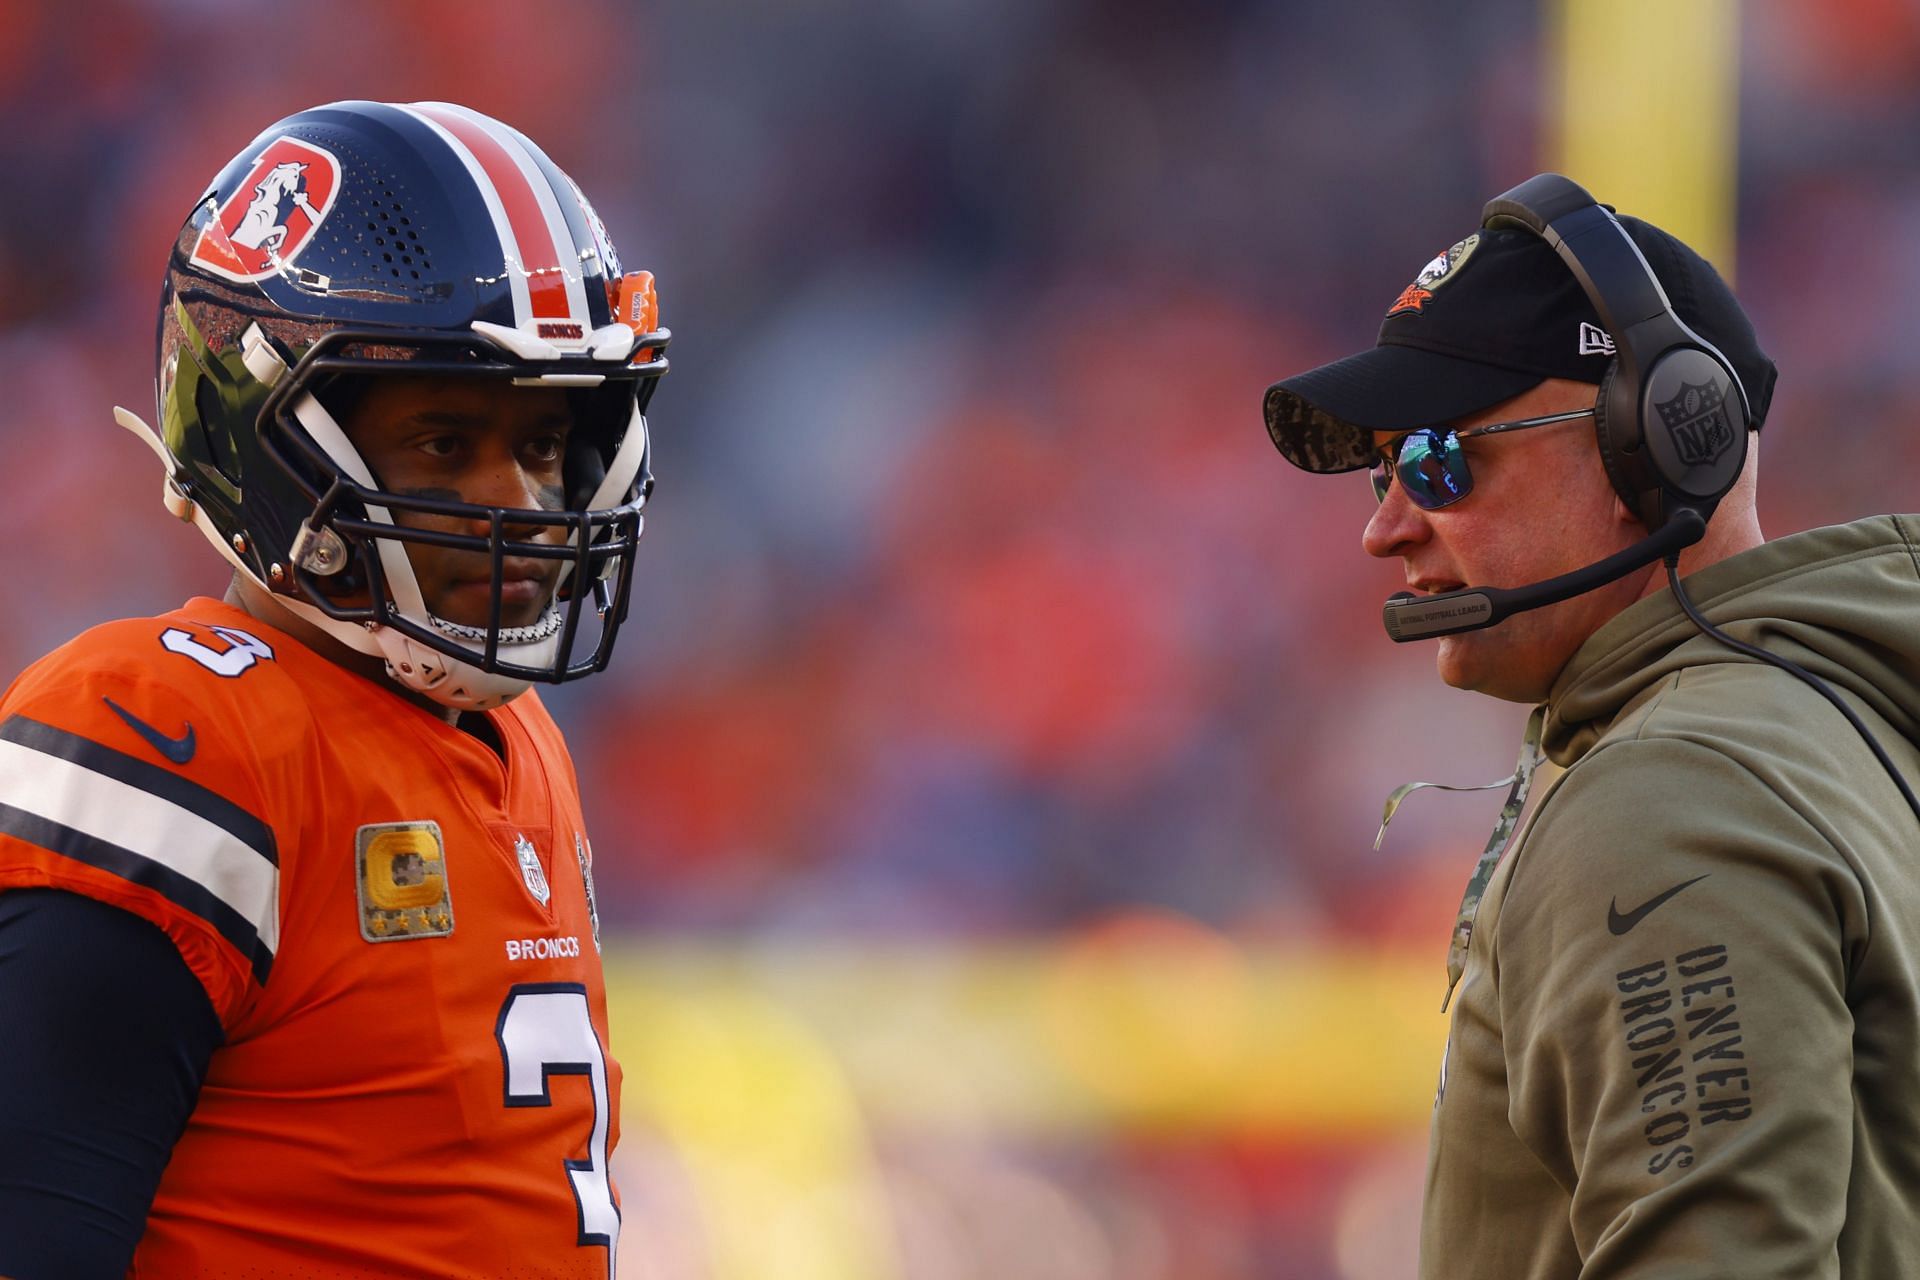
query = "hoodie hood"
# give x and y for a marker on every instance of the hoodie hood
(1843, 602)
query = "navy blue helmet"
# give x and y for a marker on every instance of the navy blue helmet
(363, 239)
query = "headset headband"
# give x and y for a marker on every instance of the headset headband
(1664, 376)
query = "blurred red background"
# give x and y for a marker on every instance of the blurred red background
(983, 795)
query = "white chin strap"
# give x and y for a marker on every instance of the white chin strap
(448, 681)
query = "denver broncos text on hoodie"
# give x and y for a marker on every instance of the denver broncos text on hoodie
(1686, 1043)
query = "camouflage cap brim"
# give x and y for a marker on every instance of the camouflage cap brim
(1313, 439)
(1323, 420)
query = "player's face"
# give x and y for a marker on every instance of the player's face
(469, 441)
(1541, 505)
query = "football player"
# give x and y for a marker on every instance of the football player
(299, 955)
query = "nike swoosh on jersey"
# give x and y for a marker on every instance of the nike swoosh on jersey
(179, 750)
(1620, 923)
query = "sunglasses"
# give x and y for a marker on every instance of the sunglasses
(1432, 465)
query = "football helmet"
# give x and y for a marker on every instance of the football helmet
(359, 240)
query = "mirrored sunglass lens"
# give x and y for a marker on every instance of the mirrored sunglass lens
(1433, 467)
(1381, 477)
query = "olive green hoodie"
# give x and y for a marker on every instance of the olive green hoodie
(1687, 1038)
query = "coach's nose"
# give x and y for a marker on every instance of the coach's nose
(1396, 526)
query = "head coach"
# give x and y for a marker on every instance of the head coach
(1685, 1036)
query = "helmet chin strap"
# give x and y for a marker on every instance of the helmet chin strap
(447, 680)
(414, 666)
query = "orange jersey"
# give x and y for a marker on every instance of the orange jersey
(396, 930)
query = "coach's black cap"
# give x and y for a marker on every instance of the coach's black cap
(1484, 321)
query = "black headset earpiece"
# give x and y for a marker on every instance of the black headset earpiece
(1610, 448)
(1693, 432)
(1671, 416)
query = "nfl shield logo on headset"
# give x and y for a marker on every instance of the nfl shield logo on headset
(1697, 421)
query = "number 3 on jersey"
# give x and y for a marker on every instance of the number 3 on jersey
(242, 650)
(546, 1030)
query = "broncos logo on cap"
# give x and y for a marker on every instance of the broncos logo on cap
(1436, 273)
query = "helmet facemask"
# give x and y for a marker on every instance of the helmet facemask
(350, 558)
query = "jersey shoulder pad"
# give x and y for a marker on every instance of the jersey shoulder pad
(140, 766)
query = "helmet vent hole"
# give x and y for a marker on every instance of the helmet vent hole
(382, 225)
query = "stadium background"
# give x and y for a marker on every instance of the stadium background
(984, 792)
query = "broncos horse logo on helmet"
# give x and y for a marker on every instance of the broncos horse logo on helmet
(277, 195)
(441, 242)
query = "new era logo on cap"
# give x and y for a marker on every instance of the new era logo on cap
(1595, 341)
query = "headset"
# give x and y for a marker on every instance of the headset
(1671, 419)
(1671, 416)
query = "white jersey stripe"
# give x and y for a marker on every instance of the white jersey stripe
(107, 809)
(513, 264)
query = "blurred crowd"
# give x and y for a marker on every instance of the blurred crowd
(974, 603)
